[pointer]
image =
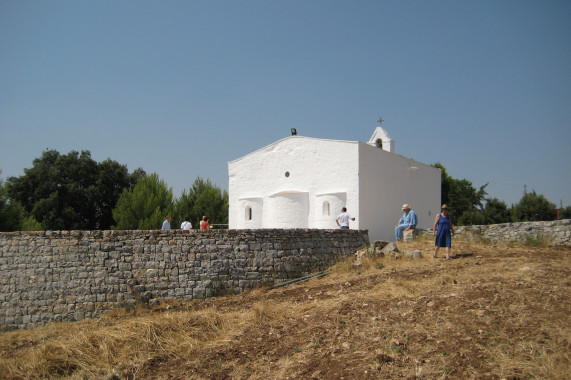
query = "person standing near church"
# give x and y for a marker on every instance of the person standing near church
(343, 219)
(407, 222)
(442, 230)
(166, 224)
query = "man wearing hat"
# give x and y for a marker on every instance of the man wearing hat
(407, 221)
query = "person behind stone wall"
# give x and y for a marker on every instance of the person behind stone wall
(166, 224)
(186, 225)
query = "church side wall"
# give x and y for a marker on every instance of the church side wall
(386, 182)
(53, 276)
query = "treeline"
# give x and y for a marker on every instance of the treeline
(74, 192)
(471, 206)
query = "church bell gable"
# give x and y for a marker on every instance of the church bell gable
(382, 140)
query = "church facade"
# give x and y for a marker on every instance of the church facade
(303, 182)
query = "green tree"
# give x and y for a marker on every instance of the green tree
(11, 212)
(565, 213)
(496, 211)
(112, 179)
(71, 191)
(533, 207)
(463, 200)
(202, 199)
(183, 210)
(470, 217)
(145, 206)
(31, 224)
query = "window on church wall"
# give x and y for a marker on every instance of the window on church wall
(248, 213)
(326, 211)
(379, 143)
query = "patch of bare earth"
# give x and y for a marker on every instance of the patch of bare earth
(492, 312)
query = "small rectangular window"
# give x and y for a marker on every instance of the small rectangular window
(326, 208)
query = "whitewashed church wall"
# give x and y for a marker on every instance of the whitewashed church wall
(386, 182)
(292, 165)
(251, 213)
(327, 208)
(381, 192)
(287, 210)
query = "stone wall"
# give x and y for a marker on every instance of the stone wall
(556, 232)
(70, 275)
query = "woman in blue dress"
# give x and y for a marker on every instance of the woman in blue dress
(443, 229)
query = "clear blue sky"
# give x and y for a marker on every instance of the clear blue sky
(182, 87)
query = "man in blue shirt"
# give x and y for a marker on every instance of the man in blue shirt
(166, 224)
(407, 221)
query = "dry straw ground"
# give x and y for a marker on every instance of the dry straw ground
(493, 312)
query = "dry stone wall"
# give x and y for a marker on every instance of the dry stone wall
(70, 275)
(555, 232)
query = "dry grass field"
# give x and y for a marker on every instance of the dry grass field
(492, 312)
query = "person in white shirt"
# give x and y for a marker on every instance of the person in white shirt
(343, 219)
(186, 225)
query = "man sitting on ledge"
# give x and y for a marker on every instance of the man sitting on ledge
(407, 221)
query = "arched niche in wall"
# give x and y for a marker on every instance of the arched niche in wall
(326, 209)
(333, 202)
(287, 209)
(251, 213)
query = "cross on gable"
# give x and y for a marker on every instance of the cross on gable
(380, 121)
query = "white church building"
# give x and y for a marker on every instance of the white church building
(304, 182)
